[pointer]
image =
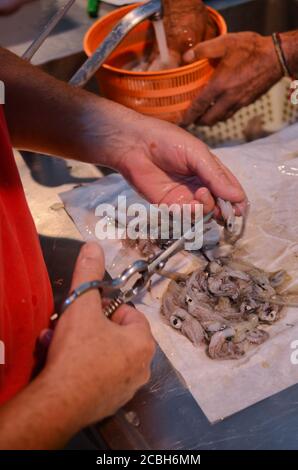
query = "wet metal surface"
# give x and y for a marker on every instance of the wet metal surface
(47, 30)
(52, 171)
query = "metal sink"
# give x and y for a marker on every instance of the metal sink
(262, 16)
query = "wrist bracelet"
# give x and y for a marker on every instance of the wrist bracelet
(280, 54)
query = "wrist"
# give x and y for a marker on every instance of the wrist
(76, 396)
(109, 132)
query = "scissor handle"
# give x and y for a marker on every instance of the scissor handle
(114, 285)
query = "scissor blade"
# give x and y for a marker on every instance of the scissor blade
(178, 245)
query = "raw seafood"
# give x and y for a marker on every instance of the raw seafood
(226, 305)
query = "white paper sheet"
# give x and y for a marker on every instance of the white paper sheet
(268, 169)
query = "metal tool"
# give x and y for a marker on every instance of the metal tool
(33, 48)
(152, 9)
(139, 273)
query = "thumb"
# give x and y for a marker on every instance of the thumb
(89, 265)
(212, 49)
(127, 315)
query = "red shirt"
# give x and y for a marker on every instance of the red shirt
(26, 302)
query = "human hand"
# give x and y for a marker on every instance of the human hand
(168, 165)
(96, 364)
(247, 67)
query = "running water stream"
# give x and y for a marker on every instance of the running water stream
(162, 42)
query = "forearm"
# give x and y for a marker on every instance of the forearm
(39, 417)
(290, 47)
(49, 116)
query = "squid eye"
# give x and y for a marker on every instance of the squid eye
(175, 322)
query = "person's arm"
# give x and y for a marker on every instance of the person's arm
(46, 115)
(248, 66)
(94, 366)
(186, 23)
(49, 116)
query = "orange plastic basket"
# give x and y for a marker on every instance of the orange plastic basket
(166, 94)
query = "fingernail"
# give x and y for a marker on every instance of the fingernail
(189, 56)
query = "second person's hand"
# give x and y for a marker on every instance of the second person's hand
(247, 67)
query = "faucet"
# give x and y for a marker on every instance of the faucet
(150, 10)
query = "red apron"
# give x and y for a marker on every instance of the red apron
(26, 302)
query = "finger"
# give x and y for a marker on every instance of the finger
(239, 207)
(214, 175)
(105, 302)
(242, 208)
(126, 315)
(233, 181)
(89, 265)
(217, 214)
(203, 196)
(212, 49)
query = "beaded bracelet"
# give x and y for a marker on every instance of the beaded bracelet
(280, 54)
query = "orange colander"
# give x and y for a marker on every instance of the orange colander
(166, 94)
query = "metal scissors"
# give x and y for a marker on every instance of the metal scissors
(136, 276)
